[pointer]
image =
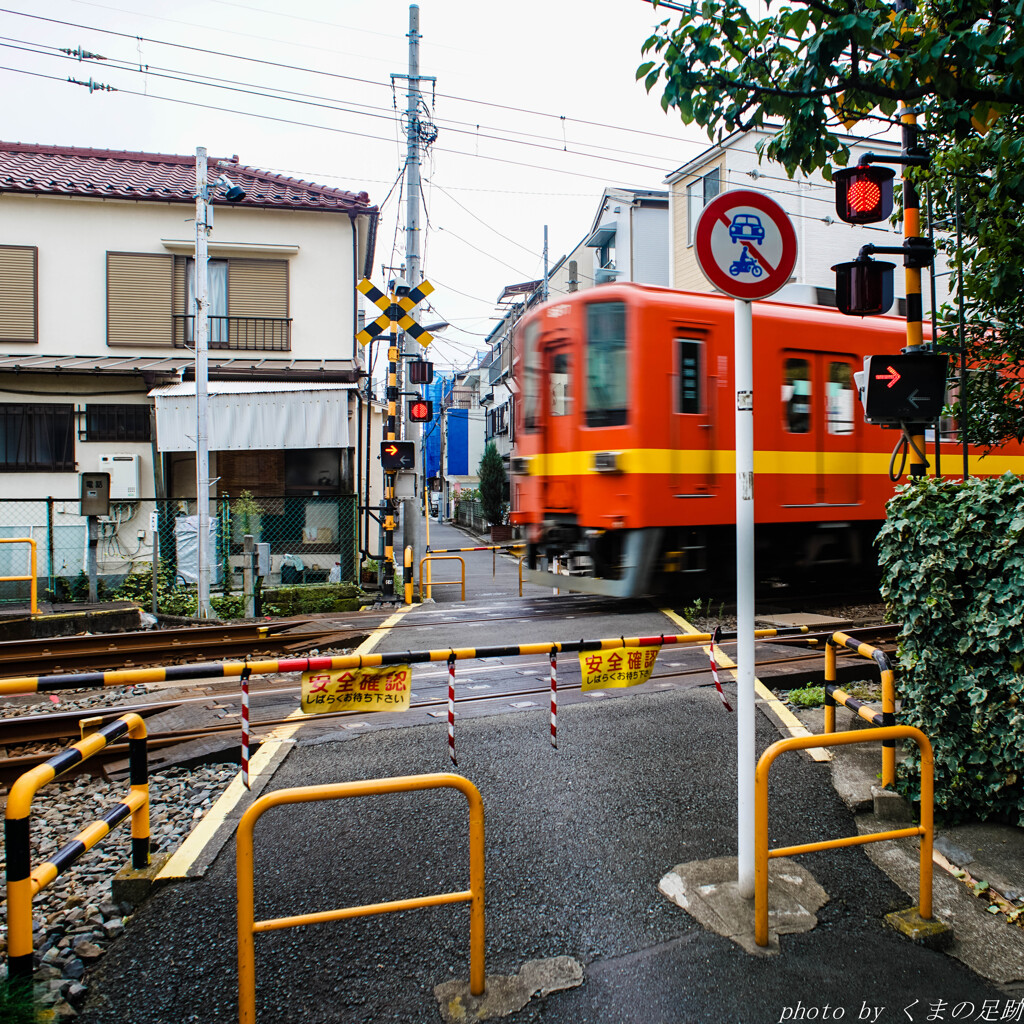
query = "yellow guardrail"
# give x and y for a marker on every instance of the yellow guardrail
(23, 883)
(474, 895)
(833, 696)
(444, 583)
(31, 578)
(925, 829)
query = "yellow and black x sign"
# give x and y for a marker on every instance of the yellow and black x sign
(395, 312)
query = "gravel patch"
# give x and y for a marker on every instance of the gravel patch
(75, 918)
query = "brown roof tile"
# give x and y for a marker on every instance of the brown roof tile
(63, 170)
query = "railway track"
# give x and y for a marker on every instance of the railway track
(61, 727)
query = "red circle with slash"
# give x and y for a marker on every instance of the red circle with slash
(745, 244)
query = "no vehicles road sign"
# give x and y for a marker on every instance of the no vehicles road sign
(745, 244)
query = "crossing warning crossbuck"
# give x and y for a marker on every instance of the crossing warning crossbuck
(397, 312)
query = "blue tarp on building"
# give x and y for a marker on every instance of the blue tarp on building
(458, 442)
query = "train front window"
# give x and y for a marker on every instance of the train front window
(558, 384)
(796, 396)
(606, 396)
(690, 357)
(839, 398)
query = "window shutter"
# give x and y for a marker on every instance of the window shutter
(18, 305)
(139, 294)
(258, 288)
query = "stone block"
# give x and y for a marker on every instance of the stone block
(132, 885)
(931, 932)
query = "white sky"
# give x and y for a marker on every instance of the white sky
(515, 71)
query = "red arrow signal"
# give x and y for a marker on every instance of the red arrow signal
(892, 376)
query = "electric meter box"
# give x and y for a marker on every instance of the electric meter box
(95, 494)
(124, 475)
(263, 559)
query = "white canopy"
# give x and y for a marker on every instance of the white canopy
(244, 416)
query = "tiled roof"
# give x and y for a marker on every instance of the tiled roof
(62, 170)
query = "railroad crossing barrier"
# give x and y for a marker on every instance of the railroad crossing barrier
(924, 829)
(31, 578)
(444, 583)
(834, 696)
(474, 895)
(22, 882)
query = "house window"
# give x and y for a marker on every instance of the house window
(247, 301)
(139, 299)
(698, 194)
(37, 438)
(117, 423)
(19, 305)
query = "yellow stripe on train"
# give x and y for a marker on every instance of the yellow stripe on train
(666, 461)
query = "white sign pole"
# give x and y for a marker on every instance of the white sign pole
(745, 748)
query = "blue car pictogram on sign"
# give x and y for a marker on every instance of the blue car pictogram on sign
(745, 227)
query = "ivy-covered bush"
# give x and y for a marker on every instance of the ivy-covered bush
(952, 557)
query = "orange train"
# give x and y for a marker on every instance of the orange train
(624, 465)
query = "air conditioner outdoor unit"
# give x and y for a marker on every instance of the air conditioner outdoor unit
(124, 476)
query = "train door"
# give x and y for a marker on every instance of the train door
(692, 433)
(558, 395)
(819, 428)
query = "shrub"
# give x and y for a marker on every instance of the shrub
(807, 696)
(492, 483)
(952, 556)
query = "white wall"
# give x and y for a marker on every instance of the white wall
(74, 234)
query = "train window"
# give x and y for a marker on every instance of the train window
(606, 364)
(796, 396)
(531, 377)
(558, 384)
(839, 398)
(690, 359)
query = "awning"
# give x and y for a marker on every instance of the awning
(247, 416)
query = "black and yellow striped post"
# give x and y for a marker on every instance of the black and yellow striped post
(408, 575)
(912, 272)
(23, 883)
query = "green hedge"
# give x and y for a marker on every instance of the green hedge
(952, 557)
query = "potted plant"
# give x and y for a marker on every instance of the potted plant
(246, 514)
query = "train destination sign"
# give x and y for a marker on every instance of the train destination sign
(745, 244)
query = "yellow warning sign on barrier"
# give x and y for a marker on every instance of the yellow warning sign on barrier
(387, 688)
(618, 666)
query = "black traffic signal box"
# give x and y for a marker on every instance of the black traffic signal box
(421, 410)
(864, 193)
(398, 454)
(908, 388)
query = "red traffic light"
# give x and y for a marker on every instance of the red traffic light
(864, 193)
(421, 410)
(864, 287)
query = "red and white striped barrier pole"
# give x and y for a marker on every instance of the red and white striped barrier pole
(246, 672)
(451, 710)
(714, 669)
(554, 698)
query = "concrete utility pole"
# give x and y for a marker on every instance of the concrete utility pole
(413, 270)
(201, 336)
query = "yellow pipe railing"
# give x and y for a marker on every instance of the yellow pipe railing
(248, 926)
(888, 718)
(925, 829)
(444, 583)
(31, 578)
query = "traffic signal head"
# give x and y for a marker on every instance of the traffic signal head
(864, 287)
(420, 371)
(864, 193)
(907, 388)
(420, 410)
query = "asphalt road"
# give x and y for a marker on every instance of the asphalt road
(576, 842)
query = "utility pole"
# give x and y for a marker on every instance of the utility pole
(415, 125)
(201, 335)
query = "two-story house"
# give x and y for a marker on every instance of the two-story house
(97, 363)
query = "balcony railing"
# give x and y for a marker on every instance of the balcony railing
(252, 333)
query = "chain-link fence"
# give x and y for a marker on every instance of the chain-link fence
(311, 540)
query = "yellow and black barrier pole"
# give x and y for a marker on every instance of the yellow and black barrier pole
(389, 476)
(408, 576)
(23, 883)
(234, 669)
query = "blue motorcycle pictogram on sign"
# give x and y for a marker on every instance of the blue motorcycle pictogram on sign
(746, 264)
